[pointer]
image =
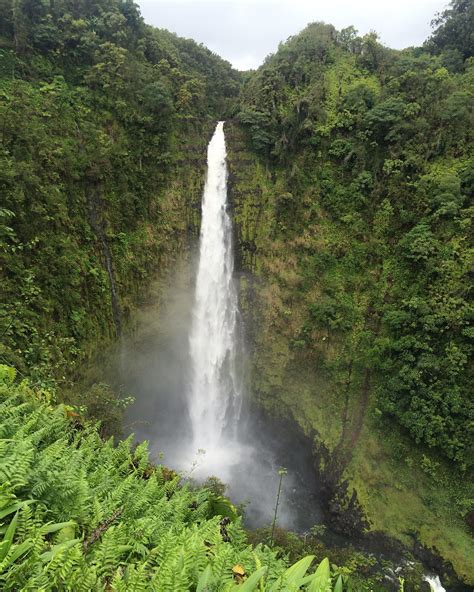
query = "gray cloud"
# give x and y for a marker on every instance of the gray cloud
(244, 31)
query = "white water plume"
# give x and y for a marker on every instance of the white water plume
(184, 364)
(435, 583)
(215, 396)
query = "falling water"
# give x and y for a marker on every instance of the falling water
(155, 366)
(184, 366)
(215, 396)
(435, 583)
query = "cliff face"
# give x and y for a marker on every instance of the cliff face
(271, 296)
(104, 126)
(317, 377)
(85, 243)
(351, 175)
(370, 154)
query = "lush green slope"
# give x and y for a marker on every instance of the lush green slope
(104, 125)
(379, 145)
(352, 190)
(406, 491)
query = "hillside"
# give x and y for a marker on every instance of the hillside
(78, 513)
(352, 194)
(98, 187)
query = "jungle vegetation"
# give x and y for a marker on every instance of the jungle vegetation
(375, 146)
(94, 106)
(103, 126)
(78, 513)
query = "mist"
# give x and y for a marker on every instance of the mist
(153, 366)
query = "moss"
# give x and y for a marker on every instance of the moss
(307, 376)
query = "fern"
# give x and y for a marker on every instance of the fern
(79, 514)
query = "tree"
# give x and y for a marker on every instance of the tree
(454, 29)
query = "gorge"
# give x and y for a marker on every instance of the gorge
(190, 403)
(301, 301)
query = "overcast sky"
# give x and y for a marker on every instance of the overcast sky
(245, 31)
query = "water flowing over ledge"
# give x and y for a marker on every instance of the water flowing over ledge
(215, 395)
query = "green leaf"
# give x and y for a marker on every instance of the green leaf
(252, 581)
(338, 586)
(294, 574)
(50, 528)
(16, 552)
(14, 507)
(4, 547)
(204, 579)
(8, 538)
(298, 570)
(221, 506)
(7, 374)
(322, 577)
(50, 555)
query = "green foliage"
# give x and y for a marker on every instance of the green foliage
(77, 513)
(293, 579)
(372, 248)
(454, 32)
(103, 404)
(94, 106)
(7, 374)
(361, 229)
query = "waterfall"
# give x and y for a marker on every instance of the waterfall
(215, 396)
(435, 583)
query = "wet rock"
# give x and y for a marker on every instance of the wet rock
(432, 560)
